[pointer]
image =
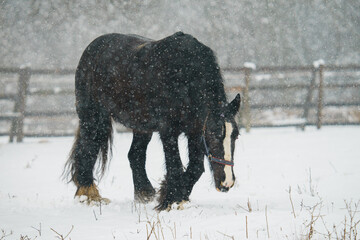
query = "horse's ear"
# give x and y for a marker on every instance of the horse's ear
(234, 106)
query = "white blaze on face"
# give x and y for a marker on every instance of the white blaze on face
(229, 182)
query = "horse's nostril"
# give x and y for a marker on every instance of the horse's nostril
(222, 189)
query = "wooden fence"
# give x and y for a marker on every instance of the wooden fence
(315, 86)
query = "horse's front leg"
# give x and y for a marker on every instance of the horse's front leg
(172, 188)
(143, 190)
(195, 167)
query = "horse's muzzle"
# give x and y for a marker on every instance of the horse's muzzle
(222, 189)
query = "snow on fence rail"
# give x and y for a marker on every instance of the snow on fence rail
(248, 80)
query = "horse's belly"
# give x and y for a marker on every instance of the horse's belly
(137, 118)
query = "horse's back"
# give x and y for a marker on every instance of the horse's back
(113, 43)
(145, 83)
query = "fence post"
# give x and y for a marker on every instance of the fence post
(17, 124)
(320, 96)
(309, 98)
(247, 111)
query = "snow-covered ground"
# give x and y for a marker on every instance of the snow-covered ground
(321, 168)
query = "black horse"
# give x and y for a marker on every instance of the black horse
(171, 86)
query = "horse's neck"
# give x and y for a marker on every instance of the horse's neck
(216, 107)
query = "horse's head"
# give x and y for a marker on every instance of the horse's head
(220, 132)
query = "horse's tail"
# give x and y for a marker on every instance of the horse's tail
(93, 141)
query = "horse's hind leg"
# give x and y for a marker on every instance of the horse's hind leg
(143, 190)
(92, 140)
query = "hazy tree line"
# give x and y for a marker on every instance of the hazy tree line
(53, 33)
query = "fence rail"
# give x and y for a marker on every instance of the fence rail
(316, 86)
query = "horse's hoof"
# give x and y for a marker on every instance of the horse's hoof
(171, 194)
(180, 206)
(162, 207)
(90, 195)
(92, 201)
(169, 207)
(144, 196)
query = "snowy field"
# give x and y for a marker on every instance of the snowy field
(290, 185)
